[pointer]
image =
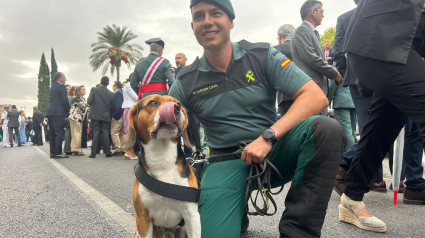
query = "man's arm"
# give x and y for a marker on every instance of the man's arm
(64, 99)
(168, 73)
(309, 101)
(339, 57)
(91, 96)
(308, 98)
(134, 80)
(312, 58)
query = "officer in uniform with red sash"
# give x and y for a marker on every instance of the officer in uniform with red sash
(152, 73)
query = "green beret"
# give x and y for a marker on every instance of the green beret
(225, 5)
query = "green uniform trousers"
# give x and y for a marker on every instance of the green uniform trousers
(315, 145)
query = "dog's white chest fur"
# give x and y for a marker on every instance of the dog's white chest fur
(164, 211)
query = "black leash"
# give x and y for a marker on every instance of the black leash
(261, 174)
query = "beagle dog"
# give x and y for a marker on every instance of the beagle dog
(159, 122)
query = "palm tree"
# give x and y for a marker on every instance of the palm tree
(113, 45)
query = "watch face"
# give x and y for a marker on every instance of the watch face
(268, 134)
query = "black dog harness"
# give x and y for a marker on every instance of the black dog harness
(174, 191)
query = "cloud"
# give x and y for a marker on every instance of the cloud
(29, 28)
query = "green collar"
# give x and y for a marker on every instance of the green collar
(237, 53)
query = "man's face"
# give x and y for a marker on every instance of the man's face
(114, 87)
(318, 15)
(180, 60)
(327, 45)
(62, 79)
(211, 26)
(68, 89)
(82, 91)
(6, 109)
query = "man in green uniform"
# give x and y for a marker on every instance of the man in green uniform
(153, 72)
(232, 90)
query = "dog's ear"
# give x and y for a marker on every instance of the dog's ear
(131, 135)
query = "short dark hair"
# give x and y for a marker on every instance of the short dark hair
(307, 7)
(104, 81)
(57, 75)
(118, 84)
(29, 118)
(14, 106)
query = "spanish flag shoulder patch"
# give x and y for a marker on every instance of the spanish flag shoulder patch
(285, 62)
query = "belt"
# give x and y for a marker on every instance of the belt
(225, 154)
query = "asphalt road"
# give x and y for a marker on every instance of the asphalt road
(83, 197)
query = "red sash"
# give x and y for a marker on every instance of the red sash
(150, 88)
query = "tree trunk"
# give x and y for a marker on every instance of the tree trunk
(118, 73)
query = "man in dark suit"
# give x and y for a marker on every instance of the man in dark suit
(101, 101)
(13, 125)
(307, 50)
(57, 111)
(395, 74)
(284, 36)
(38, 119)
(28, 129)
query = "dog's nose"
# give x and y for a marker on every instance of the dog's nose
(168, 112)
(177, 108)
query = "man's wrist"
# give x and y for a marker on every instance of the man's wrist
(269, 135)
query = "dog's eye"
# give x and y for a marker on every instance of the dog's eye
(153, 103)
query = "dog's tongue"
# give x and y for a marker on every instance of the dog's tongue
(166, 113)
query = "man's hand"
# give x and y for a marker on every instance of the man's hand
(172, 70)
(339, 78)
(328, 58)
(256, 151)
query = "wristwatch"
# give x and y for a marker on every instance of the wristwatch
(269, 135)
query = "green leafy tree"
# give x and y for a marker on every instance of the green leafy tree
(54, 66)
(43, 85)
(328, 35)
(112, 48)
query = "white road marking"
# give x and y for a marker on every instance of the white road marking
(125, 220)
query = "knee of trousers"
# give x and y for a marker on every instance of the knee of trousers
(329, 137)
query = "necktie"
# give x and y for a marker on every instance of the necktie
(317, 35)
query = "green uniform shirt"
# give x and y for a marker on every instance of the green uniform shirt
(240, 104)
(162, 74)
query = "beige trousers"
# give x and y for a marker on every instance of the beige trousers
(117, 134)
(76, 130)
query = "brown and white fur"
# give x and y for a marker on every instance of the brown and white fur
(159, 121)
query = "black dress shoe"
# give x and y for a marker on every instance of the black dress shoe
(92, 156)
(20, 144)
(68, 153)
(108, 155)
(11, 145)
(416, 198)
(61, 156)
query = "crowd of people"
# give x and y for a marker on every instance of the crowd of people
(232, 90)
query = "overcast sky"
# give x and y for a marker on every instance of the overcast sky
(28, 28)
